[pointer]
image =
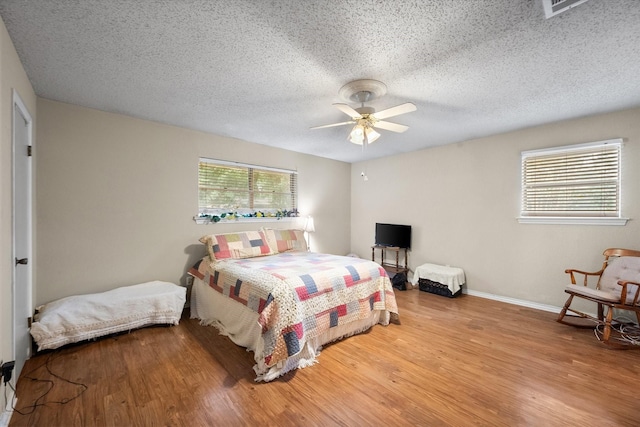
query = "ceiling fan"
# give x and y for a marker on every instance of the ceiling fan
(364, 118)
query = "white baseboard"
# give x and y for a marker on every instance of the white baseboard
(537, 306)
(5, 416)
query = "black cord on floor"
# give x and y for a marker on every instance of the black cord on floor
(30, 409)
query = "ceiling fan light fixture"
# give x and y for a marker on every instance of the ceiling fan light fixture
(360, 133)
(372, 135)
(357, 135)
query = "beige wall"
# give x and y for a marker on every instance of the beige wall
(463, 200)
(12, 76)
(116, 196)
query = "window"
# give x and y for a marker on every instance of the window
(572, 184)
(225, 187)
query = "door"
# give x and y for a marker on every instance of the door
(22, 230)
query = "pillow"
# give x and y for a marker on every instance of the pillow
(244, 244)
(285, 240)
(622, 268)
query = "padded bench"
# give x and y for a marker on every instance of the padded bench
(83, 317)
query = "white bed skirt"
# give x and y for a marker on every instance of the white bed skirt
(240, 324)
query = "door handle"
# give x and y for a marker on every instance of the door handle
(23, 261)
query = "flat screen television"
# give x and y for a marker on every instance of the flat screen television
(393, 235)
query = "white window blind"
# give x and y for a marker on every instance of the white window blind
(235, 187)
(581, 181)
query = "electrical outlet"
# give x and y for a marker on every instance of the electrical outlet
(7, 369)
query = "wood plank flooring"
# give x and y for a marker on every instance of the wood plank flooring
(451, 362)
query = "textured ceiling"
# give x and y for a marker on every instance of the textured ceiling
(266, 71)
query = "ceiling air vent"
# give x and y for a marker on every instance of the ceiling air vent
(554, 7)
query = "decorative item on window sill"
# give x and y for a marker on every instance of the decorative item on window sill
(234, 216)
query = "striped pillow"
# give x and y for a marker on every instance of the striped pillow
(244, 244)
(285, 240)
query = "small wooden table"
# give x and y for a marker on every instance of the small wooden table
(392, 268)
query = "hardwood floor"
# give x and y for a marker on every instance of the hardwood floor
(458, 362)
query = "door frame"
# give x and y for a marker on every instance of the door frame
(18, 104)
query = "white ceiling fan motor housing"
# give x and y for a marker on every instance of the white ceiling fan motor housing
(365, 111)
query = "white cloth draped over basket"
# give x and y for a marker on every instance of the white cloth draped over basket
(452, 277)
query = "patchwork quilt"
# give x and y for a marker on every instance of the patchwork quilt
(300, 295)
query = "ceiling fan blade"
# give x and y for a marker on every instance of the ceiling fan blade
(348, 110)
(334, 124)
(395, 111)
(393, 127)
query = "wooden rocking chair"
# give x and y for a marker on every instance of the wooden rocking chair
(617, 286)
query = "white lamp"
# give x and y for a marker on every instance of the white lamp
(309, 227)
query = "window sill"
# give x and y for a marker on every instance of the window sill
(199, 220)
(572, 221)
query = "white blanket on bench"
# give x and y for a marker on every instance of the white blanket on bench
(83, 317)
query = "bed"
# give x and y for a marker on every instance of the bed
(267, 293)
